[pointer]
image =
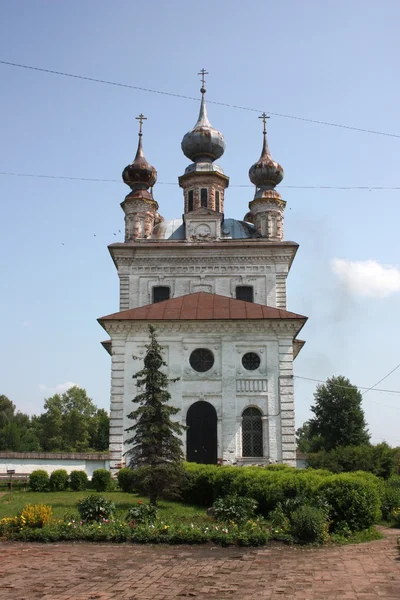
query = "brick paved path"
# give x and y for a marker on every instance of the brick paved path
(127, 572)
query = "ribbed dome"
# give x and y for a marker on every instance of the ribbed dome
(266, 172)
(139, 175)
(203, 142)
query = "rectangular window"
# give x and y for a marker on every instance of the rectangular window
(160, 293)
(190, 201)
(217, 205)
(204, 197)
(244, 292)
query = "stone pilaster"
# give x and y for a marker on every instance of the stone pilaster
(117, 402)
(286, 397)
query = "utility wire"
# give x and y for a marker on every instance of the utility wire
(242, 185)
(383, 378)
(360, 387)
(182, 96)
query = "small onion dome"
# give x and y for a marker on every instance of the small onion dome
(249, 217)
(203, 143)
(139, 175)
(266, 172)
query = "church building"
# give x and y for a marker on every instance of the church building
(214, 288)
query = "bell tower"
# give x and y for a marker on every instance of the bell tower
(203, 182)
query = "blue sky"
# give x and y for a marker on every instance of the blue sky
(325, 61)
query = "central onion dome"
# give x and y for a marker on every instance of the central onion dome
(203, 143)
(139, 175)
(266, 172)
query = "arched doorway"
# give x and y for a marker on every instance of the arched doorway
(201, 435)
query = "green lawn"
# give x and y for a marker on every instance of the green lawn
(63, 502)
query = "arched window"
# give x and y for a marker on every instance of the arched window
(252, 432)
(204, 197)
(217, 202)
(190, 201)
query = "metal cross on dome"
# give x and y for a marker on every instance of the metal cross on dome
(203, 73)
(264, 117)
(141, 118)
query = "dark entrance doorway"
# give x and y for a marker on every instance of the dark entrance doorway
(201, 435)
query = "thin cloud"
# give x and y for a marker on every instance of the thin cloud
(367, 278)
(60, 388)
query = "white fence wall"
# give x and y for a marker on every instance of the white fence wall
(26, 462)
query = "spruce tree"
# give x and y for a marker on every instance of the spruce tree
(156, 448)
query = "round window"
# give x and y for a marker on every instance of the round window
(251, 361)
(201, 360)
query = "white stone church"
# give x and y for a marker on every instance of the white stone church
(215, 290)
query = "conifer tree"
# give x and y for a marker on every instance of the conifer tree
(156, 448)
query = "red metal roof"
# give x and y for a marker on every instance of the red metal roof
(201, 306)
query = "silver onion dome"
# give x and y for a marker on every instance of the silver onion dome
(203, 143)
(266, 172)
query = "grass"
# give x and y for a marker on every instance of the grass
(358, 537)
(62, 502)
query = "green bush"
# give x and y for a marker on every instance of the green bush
(141, 513)
(58, 480)
(78, 480)
(39, 481)
(200, 483)
(234, 508)
(391, 497)
(95, 508)
(126, 479)
(102, 480)
(354, 502)
(309, 525)
(170, 480)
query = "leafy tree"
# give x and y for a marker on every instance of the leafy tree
(306, 443)
(379, 459)
(155, 446)
(99, 430)
(7, 409)
(70, 422)
(339, 417)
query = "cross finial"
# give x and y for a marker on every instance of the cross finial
(264, 117)
(141, 118)
(203, 73)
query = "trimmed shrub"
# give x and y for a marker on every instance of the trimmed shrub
(234, 508)
(102, 480)
(126, 479)
(39, 481)
(95, 508)
(58, 480)
(200, 483)
(78, 480)
(309, 525)
(391, 497)
(354, 502)
(141, 513)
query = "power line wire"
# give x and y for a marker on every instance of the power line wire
(360, 387)
(184, 97)
(242, 185)
(383, 378)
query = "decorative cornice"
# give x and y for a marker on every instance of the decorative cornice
(276, 328)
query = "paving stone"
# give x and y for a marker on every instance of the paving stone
(130, 572)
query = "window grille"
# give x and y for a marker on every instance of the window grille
(160, 293)
(244, 292)
(204, 197)
(190, 201)
(251, 361)
(201, 360)
(252, 432)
